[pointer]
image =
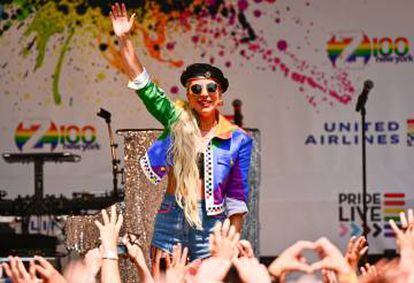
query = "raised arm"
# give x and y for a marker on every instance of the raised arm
(122, 27)
(153, 97)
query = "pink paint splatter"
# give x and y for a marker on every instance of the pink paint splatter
(174, 90)
(170, 46)
(257, 13)
(242, 4)
(195, 39)
(314, 84)
(282, 45)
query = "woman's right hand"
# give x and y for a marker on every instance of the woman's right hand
(120, 22)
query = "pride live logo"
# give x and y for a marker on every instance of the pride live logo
(381, 207)
(354, 49)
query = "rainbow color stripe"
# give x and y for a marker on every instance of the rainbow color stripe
(50, 137)
(410, 132)
(410, 125)
(22, 135)
(393, 203)
(336, 47)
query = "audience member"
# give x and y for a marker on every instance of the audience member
(228, 254)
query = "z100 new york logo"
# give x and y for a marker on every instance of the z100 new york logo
(355, 49)
(40, 134)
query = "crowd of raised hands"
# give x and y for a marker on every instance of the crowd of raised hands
(231, 260)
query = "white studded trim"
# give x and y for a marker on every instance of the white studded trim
(147, 169)
(212, 209)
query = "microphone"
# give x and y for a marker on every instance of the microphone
(363, 97)
(105, 114)
(238, 117)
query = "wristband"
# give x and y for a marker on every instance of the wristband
(140, 81)
(110, 255)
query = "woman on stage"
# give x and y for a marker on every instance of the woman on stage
(206, 157)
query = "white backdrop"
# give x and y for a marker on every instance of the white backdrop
(298, 80)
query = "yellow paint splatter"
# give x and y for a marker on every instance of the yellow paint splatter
(27, 96)
(100, 76)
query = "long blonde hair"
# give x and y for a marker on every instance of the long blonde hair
(185, 146)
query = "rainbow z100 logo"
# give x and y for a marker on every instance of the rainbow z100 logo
(45, 133)
(355, 49)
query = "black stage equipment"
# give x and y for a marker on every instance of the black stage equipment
(360, 107)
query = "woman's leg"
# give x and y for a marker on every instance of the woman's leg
(168, 231)
(198, 240)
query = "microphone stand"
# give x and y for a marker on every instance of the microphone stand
(106, 115)
(360, 107)
(364, 172)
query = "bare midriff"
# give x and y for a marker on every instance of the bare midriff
(172, 184)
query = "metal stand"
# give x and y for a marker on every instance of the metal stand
(37, 205)
(360, 107)
(106, 115)
(364, 173)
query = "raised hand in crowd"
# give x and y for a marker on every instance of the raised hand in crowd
(47, 271)
(109, 235)
(93, 261)
(332, 259)
(212, 269)
(78, 271)
(137, 257)
(16, 271)
(224, 240)
(382, 271)
(369, 270)
(245, 249)
(109, 231)
(329, 276)
(159, 263)
(405, 244)
(192, 270)
(291, 260)
(251, 271)
(224, 247)
(357, 247)
(176, 270)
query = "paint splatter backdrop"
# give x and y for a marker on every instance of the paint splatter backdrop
(159, 25)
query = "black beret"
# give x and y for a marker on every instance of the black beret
(203, 70)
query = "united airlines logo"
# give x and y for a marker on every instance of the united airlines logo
(347, 133)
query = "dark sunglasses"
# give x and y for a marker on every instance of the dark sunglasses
(210, 87)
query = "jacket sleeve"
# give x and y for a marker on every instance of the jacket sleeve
(155, 100)
(237, 186)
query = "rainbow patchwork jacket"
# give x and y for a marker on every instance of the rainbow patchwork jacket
(226, 159)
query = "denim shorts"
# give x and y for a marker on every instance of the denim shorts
(172, 228)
